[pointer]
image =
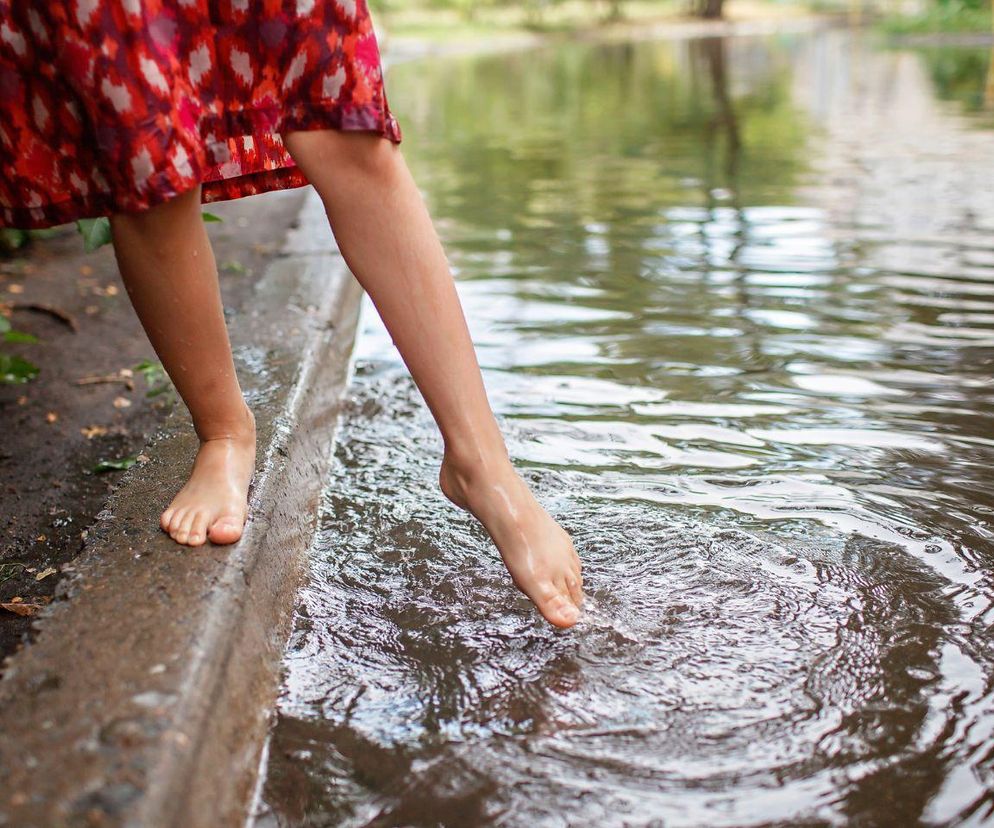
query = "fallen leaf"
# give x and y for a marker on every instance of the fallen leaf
(20, 608)
(42, 538)
(48, 310)
(86, 270)
(95, 231)
(15, 288)
(97, 378)
(111, 290)
(22, 400)
(52, 416)
(93, 431)
(115, 465)
(121, 402)
(45, 573)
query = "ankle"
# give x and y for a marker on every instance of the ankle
(466, 473)
(474, 462)
(240, 427)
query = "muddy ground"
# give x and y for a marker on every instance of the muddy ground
(90, 404)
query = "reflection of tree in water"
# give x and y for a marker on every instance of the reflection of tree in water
(724, 121)
(581, 158)
(721, 134)
(720, 182)
(989, 88)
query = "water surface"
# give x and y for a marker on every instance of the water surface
(734, 301)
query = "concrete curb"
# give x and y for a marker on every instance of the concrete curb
(144, 700)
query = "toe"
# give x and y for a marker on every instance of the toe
(165, 517)
(176, 521)
(183, 533)
(559, 610)
(574, 584)
(226, 529)
(198, 529)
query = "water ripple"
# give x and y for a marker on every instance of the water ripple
(739, 338)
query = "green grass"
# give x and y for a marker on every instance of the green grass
(950, 18)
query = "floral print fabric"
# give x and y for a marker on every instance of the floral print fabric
(117, 105)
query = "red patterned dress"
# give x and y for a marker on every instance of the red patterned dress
(117, 105)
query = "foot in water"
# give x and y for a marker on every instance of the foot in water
(537, 551)
(213, 503)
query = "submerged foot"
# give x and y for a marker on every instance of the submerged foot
(537, 551)
(213, 504)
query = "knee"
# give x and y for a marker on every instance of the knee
(179, 208)
(363, 153)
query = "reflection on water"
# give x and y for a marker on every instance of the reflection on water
(735, 306)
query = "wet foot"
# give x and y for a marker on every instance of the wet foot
(537, 551)
(213, 504)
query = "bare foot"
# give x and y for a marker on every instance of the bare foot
(213, 504)
(537, 551)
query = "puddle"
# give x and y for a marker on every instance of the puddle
(734, 304)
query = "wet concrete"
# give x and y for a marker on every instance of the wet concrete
(145, 696)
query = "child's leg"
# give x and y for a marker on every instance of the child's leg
(168, 268)
(387, 238)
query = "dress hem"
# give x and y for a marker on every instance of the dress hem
(214, 186)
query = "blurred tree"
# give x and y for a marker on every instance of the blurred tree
(708, 9)
(989, 89)
(614, 10)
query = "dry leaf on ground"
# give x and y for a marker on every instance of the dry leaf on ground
(21, 608)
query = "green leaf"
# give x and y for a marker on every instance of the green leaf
(233, 267)
(153, 372)
(156, 378)
(46, 232)
(19, 336)
(95, 232)
(13, 239)
(212, 217)
(4, 324)
(15, 370)
(115, 465)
